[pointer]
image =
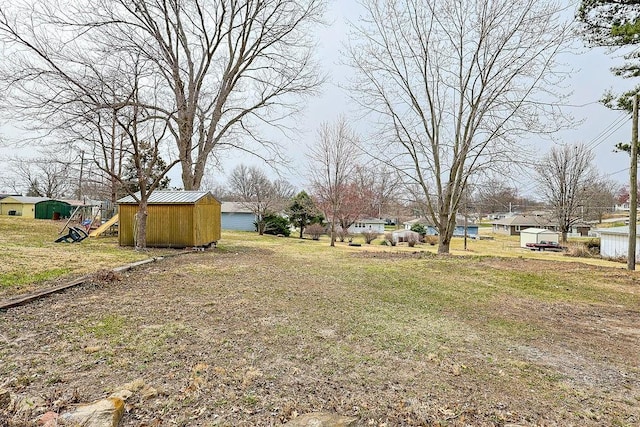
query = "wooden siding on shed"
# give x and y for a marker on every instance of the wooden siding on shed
(174, 225)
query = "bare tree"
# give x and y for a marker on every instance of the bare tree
(42, 177)
(455, 84)
(332, 163)
(566, 176)
(601, 199)
(253, 188)
(222, 67)
(379, 184)
(494, 195)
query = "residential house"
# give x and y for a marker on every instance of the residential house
(430, 228)
(367, 224)
(512, 226)
(236, 216)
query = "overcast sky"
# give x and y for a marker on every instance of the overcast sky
(600, 128)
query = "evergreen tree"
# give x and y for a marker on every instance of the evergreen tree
(303, 211)
(151, 164)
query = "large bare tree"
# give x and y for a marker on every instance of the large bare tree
(222, 67)
(43, 177)
(455, 84)
(566, 176)
(332, 164)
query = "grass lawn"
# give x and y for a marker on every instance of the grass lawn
(29, 256)
(262, 329)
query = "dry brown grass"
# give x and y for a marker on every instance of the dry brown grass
(264, 328)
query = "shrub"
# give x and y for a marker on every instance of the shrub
(412, 239)
(276, 224)
(388, 239)
(315, 231)
(369, 236)
(578, 250)
(419, 228)
(432, 240)
(342, 233)
(593, 245)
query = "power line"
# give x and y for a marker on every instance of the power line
(613, 127)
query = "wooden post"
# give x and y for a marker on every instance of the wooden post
(633, 188)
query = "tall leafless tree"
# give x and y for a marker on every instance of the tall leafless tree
(566, 176)
(332, 163)
(42, 177)
(206, 73)
(455, 84)
(224, 66)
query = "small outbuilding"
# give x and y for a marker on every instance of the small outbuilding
(20, 206)
(176, 219)
(537, 235)
(614, 242)
(52, 209)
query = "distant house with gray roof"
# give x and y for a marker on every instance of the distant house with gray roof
(236, 216)
(511, 226)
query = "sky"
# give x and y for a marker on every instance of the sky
(599, 128)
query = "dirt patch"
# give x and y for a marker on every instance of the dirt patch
(248, 337)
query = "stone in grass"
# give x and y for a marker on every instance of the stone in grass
(321, 419)
(102, 413)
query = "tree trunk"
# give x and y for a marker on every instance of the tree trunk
(333, 234)
(444, 242)
(140, 231)
(301, 230)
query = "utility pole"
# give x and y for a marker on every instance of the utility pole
(633, 188)
(81, 172)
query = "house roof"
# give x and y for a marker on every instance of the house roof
(372, 221)
(424, 221)
(169, 196)
(86, 202)
(25, 199)
(421, 220)
(528, 220)
(235, 207)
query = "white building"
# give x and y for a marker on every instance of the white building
(367, 224)
(614, 242)
(537, 235)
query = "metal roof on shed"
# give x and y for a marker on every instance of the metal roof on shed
(166, 197)
(27, 199)
(532, 230)
(622, 230)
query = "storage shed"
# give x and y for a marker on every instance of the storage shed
(176, 219)
(53, 209)
(537, 235)
(20, 206)
(614, 242)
